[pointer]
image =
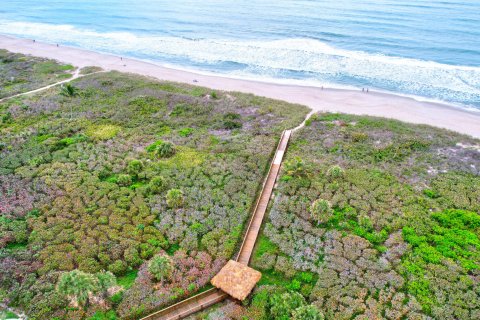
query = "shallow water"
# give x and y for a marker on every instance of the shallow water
(428, 49)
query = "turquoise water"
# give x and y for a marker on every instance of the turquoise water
(428, 49)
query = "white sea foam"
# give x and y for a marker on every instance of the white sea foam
(320, 62)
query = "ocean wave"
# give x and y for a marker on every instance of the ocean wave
(276, 58)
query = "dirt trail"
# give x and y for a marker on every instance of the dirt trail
(75, 75)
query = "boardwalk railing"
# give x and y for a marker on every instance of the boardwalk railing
(189, 306)
(246, 249)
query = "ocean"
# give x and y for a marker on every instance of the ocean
(426, 49)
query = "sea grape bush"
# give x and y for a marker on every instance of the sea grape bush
(402, 238)
(82, 187)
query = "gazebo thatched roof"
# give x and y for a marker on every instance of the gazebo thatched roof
(236, 279)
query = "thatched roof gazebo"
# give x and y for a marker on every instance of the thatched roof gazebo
(236, 279)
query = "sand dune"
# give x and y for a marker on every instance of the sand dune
(334, 100)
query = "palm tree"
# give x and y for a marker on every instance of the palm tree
(321, 210)
(174, 198)
(77, 285)
(161, 267)
(335, 172)
(68, 90)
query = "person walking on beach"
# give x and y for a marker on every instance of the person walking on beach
(363, 89)
(367, 90)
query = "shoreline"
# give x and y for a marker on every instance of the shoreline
(374, 103)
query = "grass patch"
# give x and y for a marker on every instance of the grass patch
(184, 157)
(8, 315)
(103, 132)
(265, 245)
(128, 279)
(52, 67)
(16, 246)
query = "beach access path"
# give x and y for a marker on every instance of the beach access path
(75, 75)
(210, 297)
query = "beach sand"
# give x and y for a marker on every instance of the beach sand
(332, 100)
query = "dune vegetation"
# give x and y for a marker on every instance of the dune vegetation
(20, 73)
(127, 194)
(373, 219)
(120, 195)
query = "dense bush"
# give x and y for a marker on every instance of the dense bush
(83, 188)
(401, 240)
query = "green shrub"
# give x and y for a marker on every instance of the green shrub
(185, 132)
(128, 279)
(174, 198)
(118, 267)
(65, 142)
(232, 121)
(359, 136)
(103, 132)
(104, 315)
(308, 312)
(295, 167)
(321, 210)
(453, 235)
(430, 193)
(283, 304)
(230, 125)
(335, 172)
(165, 150)
(180, 109)
(117, 297)
(124, 180)
(135, 167)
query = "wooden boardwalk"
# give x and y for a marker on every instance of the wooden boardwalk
(189, 306)
(210, 297)
(253, 229)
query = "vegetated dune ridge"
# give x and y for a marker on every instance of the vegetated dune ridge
(332, 100)
(135, 176)
(20, 73)
(371, 219)
(117, 170)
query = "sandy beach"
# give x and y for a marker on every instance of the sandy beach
(332, 100)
